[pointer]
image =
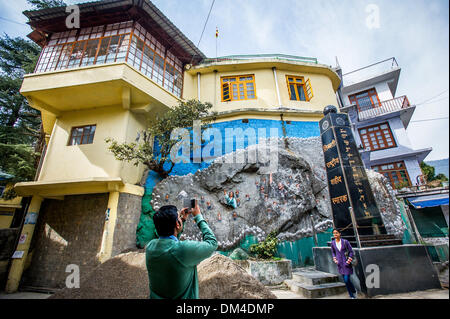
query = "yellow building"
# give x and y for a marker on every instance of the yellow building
(125, 65)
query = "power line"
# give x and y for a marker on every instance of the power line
(429, 102)
(432, 97)
(204, 27)
(435, 119)
(8, 20)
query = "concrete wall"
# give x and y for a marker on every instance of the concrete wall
(68, 232)
(266, 95)
(303, 129)
(128, 213)
(64, 162)
(382, 88)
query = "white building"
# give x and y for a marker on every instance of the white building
(379, 120)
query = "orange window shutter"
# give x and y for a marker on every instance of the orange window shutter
(308, 90)
(226, 96)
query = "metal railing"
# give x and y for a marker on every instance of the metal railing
(373, 110)
(261, 56)
(369, 71)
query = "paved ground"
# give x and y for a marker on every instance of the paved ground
(427, 294)
(280, 293)
(24, 295)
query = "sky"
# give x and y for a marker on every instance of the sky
(357, 32)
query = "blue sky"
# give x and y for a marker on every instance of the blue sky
(415, 32)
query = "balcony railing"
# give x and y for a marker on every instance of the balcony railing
(369, 71)
(372, 110)
(261, 56)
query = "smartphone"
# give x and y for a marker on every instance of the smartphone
(189, 203)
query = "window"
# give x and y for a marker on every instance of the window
(395, 172)
(377, 137)
(365, 100)
(82, 135)
(299, 90)
(238, 88)
(124, 41)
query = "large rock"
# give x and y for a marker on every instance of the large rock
(296, 200)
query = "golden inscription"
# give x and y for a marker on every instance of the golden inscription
(333, 162)
(336, 180)
(330, 145)
(339, 199)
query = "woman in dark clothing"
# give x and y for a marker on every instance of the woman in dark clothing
(339, 248)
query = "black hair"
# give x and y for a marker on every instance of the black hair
(335, 229)
(165, 220)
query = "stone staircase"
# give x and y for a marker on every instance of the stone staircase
(312, 283)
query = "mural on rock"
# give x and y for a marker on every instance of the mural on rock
(240, 199)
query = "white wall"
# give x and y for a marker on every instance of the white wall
(382, 88)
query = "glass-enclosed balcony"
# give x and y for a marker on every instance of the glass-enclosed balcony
(119, 42)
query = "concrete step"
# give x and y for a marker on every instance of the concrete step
(310, 276)
(316, 291)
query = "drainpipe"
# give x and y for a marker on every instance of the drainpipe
(198, 86)
(276, 85)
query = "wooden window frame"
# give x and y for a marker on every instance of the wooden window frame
(371, 93)
(45, 57)
(395, 170)
(383, 136)
(237, 82)
(303, 84)
(82, 134)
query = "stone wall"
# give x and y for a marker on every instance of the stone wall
(128, 213)
(68, 231)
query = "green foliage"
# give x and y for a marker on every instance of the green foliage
(17, 160)
(432, 179)
(18, 56)
(402, 185)
(19, 123)
(159, 132)
(267, 248)
(45, 4)
(442, 177)
(428, 171)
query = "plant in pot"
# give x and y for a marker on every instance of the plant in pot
(267, 248)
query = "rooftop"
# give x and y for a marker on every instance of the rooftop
(386, 70)
(47, 21)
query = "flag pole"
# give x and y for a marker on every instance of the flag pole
(217, 36)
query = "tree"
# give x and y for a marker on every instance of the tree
(17, 160)
(159, 133)
(45, 4)
(432, 179)
(441, 177)
(428, 171)
(19, 123)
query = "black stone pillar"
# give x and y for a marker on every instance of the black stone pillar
(347, 180)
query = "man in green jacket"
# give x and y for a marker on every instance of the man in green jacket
(172, 264)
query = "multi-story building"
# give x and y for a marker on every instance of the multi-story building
(126, 64)
(380, 119)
